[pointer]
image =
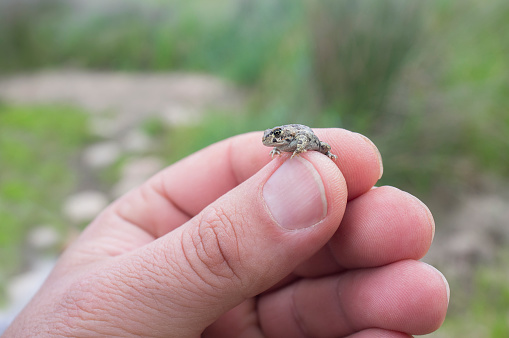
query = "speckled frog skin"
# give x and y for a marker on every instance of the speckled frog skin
(296, 139)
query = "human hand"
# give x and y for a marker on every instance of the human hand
(227, 243)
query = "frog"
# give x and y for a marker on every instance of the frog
(296, 139)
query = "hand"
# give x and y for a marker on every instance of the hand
(227, 243)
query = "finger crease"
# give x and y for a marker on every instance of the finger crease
(296, 315)
(231, 166)
(160, 189)
(334, 257)
(346, 320)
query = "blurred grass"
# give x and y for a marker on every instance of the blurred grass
(36, 146)
(427, 81)
(168, 142)
(192, 35)
(484, 307)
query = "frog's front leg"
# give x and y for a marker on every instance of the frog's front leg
(302, 145)
(275, 151)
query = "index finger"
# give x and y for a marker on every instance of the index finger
(182, 190)
(220, 167)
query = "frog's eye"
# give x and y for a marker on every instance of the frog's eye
(277, 132)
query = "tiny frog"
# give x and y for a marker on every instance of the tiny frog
(296, 138)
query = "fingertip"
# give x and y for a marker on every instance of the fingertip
(358, 158)
(420, 210)
(429, 215)
(413, 292)
(442, 277)
(382, 226)
(376, 152)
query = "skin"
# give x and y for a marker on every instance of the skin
(210, 252)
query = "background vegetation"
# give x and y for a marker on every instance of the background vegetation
(428, 81)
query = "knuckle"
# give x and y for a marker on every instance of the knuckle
(85, 303)
(78, 305)
(212, 247)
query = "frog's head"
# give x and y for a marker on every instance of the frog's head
(274, 137)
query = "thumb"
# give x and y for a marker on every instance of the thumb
(247, 240)
(237, 247)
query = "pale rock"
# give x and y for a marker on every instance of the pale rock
(101, 155)
(135, 172)
(43, 237)
(136, 141)
(179, 115)
(103, 126)
(84, 206)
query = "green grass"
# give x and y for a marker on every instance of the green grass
(425, 80)
(37, 145)
(194, 35)
(173, 143)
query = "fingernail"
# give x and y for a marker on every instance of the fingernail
(377, 152)
(295, 195)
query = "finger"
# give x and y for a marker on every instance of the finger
(407, 296)
(237, 247)
(379, 333)
(181, 191)
(241, 321)
(382, 226)
(358, 158)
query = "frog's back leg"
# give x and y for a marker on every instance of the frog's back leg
(325, 149)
